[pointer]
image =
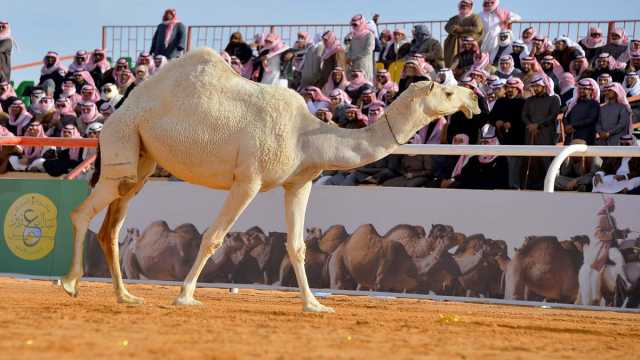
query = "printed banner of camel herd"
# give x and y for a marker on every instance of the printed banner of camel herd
(405, 259)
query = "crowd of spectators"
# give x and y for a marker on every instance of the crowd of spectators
(531, 90)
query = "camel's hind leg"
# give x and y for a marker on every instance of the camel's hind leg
(239, 198)
(295, 201)
(104, 193)
(108, 235)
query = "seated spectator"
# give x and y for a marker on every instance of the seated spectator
(65, 159)
(423, 43)
(337, 80)
(566, 51)
(325, 116)
(81, 79)
(170, 37)
(63, 115)
(333, 56)
(384, 85)
(355, 118)
(37, 93)
(43, 111)
(106, 110)
(482, 172)
(459, 124)
(553, 70)
(146, 59)
(89, 94)
(567, 88)
(357, 85)
(413, 171)
(315, 99)
(268, 64)
(69, 92)
(109, 94)
(606, 64)
(80, 61)
(98, 66)
(88, 115)
(506, 118)
(376, 111)
(593, 43)
(142, 74)
(617, 45)
(465, 24)
(445, 77)
(519, 52)
(367, 98)
(7, 94)
(506, 68)
(603, 81)
(632, 49)
(125, 80)
(615, 116)
(239, 48)
(480, 77)
(541, 48)
(339, 102)
(19, 118)
(391, 51)
(618, 175)
(631, 84)
(159, 61)
(464, 60)
(579, 67)
(577, 172)
(447, 167)
(7, 151)
(505, 40)
(583, 112)
(530, 69)
(33, 156)
(113, 75)
(413, 73)
(361, 47)
(52, 74)
(634, 63)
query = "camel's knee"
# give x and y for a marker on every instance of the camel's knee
(296, 251)
(211, 244)
(125, 186)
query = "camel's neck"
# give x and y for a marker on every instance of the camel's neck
(342, 149)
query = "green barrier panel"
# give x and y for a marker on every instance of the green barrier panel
(36, 236)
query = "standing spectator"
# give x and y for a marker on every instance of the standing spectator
(360, 52)
(551, 67)
(539, 117)
(506, 118)
(583, 113)
(170, 37)
(423, 43)
(270, 61)
(391, 51)
(52, 73)
(494, 19)
(312, 65)
(6, 44)
(238, 48)
(333, 56)
(577, 172)
(617, 45)
(631, 84)
(507, 69)
(19, 118)
(98, 66)
(593, 43)
(465, 24)
(615, 116)
(33, 156)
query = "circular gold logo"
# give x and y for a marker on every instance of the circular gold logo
(30, 226)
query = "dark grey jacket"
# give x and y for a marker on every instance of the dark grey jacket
(177, 44)
(5, 59)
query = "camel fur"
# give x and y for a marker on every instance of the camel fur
(207, 125)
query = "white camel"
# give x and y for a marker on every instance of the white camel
(208, 126)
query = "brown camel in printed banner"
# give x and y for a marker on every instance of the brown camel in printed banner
(481, 274)
(546, 267)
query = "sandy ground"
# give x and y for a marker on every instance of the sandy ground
(39, 321)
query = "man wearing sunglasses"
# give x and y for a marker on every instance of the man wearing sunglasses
(593, 43)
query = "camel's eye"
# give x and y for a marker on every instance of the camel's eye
(449, 94)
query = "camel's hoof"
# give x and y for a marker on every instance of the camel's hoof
(316, 307)
(186, 301)
(70, 286)
(130, 299)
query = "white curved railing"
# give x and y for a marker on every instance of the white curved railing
(560, 153)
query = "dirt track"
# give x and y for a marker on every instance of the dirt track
(37, 320)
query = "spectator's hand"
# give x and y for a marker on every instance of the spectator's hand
(533, 128)
(507, 125)
(569, 129)
(572, 185)
(499, 123)
(456, 28)
(620, 177)
(603, 135)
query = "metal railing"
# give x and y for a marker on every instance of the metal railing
(560, 153)
(129, 41)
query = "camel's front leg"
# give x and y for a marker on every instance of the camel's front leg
(239, 198)
(296, 198)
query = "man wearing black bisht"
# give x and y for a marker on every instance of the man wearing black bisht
(170, 37)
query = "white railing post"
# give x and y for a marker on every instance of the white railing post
(554, 168)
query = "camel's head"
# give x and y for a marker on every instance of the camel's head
(437, 100)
